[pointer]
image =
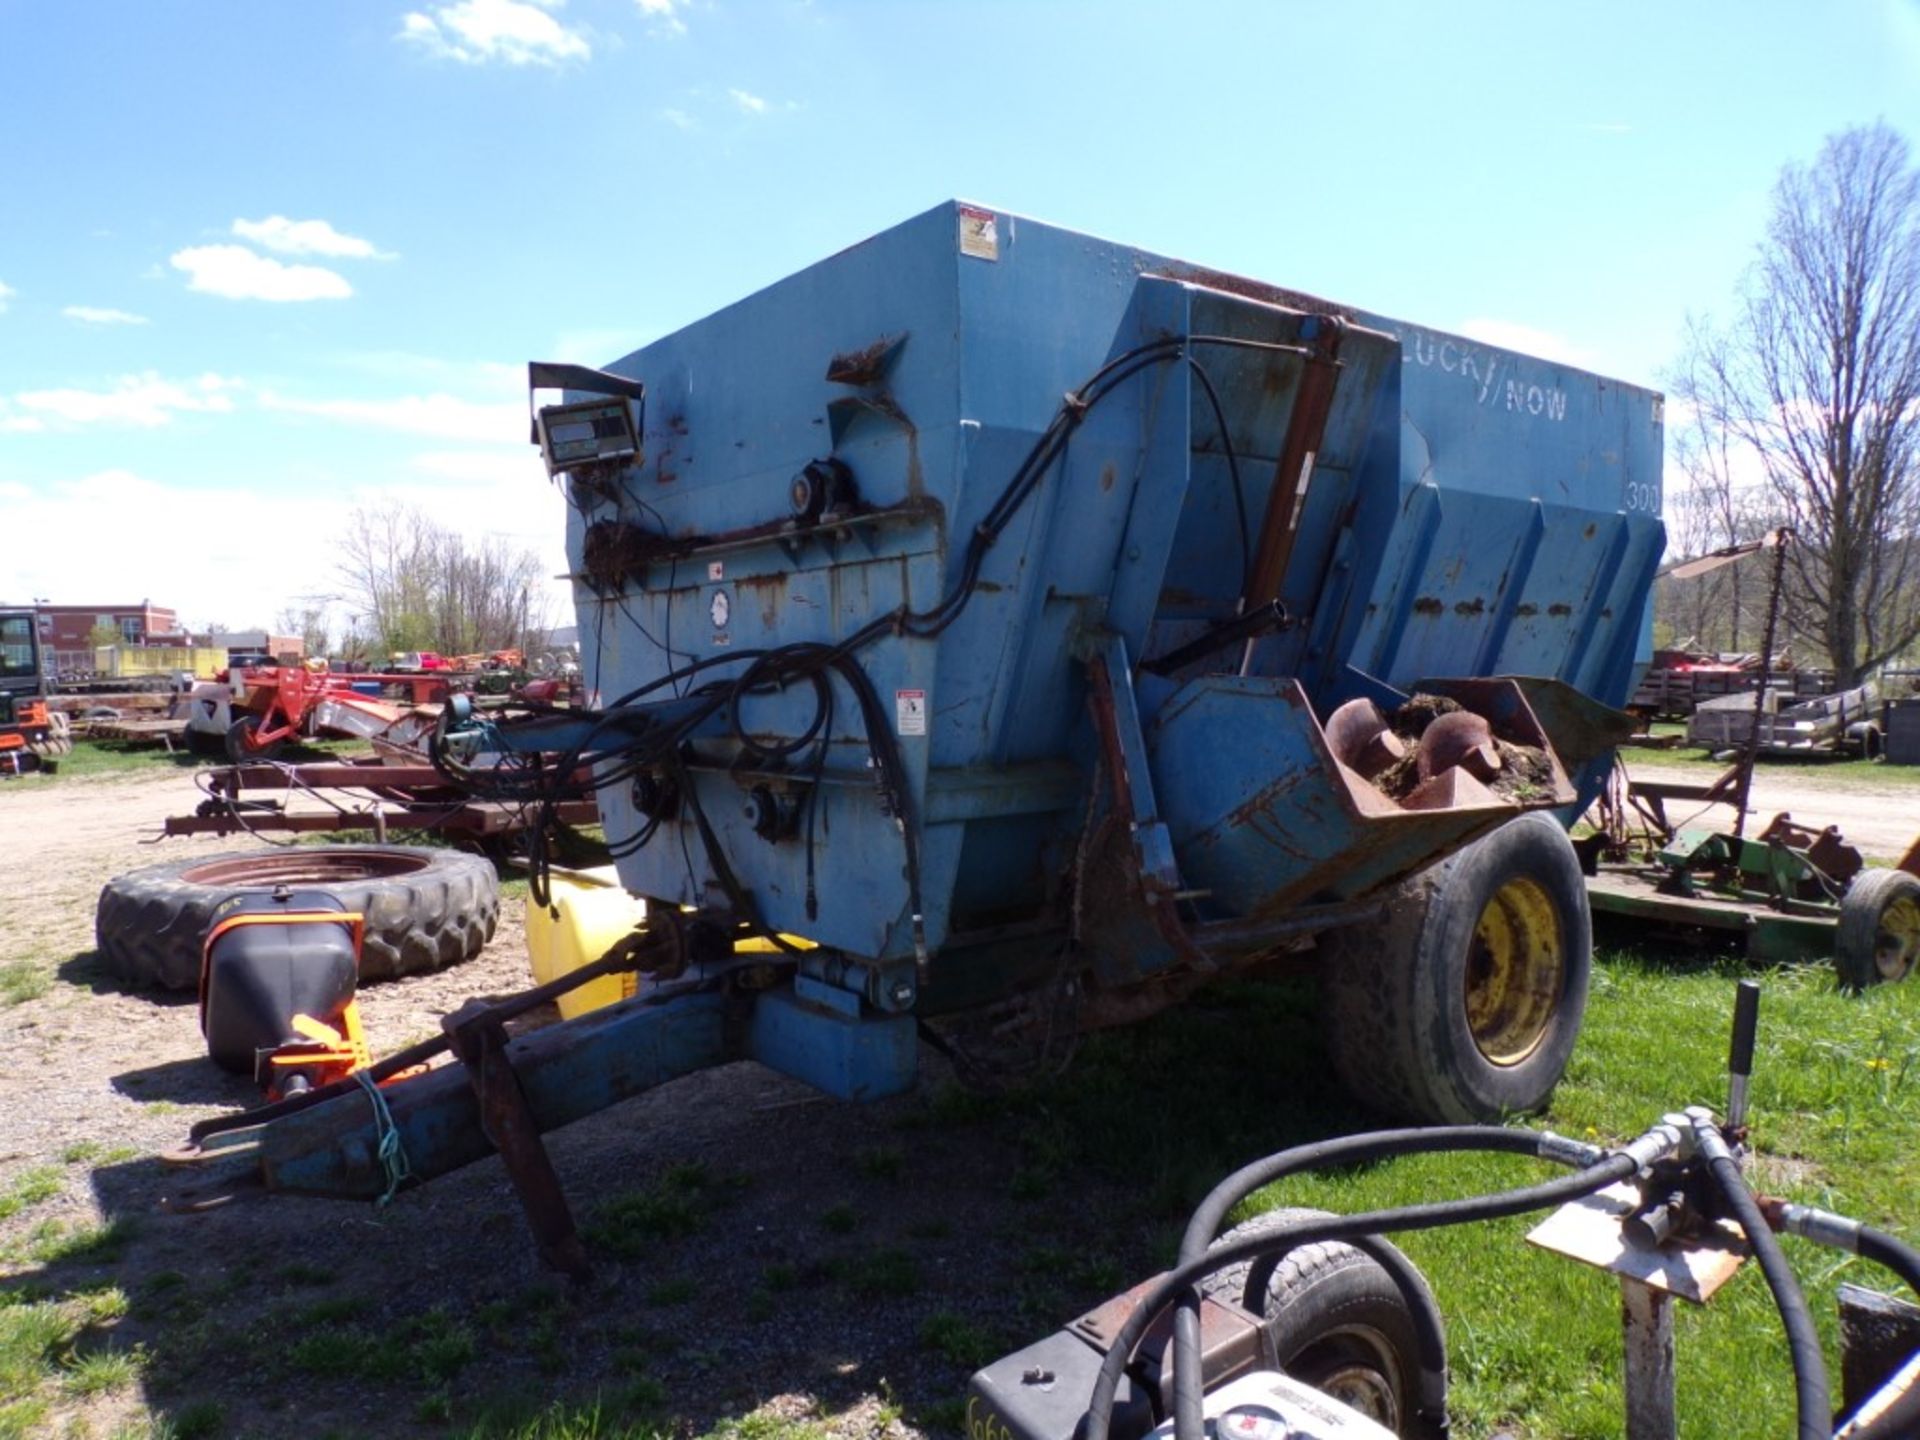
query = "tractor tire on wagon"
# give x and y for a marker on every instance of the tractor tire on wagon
(1339, 1322)
(1463, 1005)
(425, 909)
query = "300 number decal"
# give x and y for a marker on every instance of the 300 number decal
(1643, 497)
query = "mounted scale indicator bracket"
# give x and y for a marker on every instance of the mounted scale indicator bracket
(583, 434)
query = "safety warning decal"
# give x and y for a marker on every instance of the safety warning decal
(979, 233)
(910, 712)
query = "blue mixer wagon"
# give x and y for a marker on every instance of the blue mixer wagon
(1043, 628)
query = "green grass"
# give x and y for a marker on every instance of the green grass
(30, 1188)
(675, 1206)
(1535, 1339)
(102, 1372)
(963, 1343)
(53, 1347)
(878, 1274)
(429, 1349)
(92, 1152)
(840, 1219)
(1815, 772)
(23, 980)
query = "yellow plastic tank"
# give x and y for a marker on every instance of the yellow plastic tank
(594, 912)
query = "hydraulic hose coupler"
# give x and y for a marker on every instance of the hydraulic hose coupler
(1823, 1227)
(1574, 1154)
(1658, 1143)
(1707, 1137)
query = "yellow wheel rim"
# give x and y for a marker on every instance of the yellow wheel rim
(1515, 972)
(1898, 939)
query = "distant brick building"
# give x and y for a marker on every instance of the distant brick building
(67, 627)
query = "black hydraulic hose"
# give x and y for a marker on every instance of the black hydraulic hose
(1188, 1393)
(1411, 1217)
(1895, 1254)
(1803, 1342)
(771, 670)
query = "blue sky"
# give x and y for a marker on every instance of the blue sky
(262, 263)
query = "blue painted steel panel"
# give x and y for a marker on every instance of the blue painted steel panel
(1471, 511)
(847, 1056)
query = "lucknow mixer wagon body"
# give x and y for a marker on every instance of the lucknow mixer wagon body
(1042, 628)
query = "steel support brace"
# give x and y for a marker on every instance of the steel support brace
(508, 1122)
(1116, 718)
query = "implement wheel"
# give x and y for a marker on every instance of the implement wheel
(1878, 937)
(1464, 1005)
(243, 746)
(1338, 1322)
(59, 739)
(425, 909)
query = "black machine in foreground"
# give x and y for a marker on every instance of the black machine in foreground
(1302, 1325)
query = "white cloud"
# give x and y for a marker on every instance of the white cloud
(7, 292)
(161, 544)
(490, 467)
(752, 104)
(443, 416)
(144, 401)
(679, 119)
(95, 315)
(238, 273)
(1527, 341)
(665, 14)
(305, 237)
(512, 32)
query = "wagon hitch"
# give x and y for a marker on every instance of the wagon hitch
(389, 1126)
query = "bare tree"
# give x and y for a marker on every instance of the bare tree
(1722, 500)
(1817, 381)
(309, 622)
(414, 584)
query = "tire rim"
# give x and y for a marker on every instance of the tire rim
(305, 867)
(1896, 940)
(1354, 1365)
(1516, 969)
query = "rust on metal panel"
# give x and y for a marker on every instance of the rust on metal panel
(868, 365)
(769, 592)
(1253, 290)
(1306, 430)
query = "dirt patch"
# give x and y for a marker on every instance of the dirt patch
(758, 1247)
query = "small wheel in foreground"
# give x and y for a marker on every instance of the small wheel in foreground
(1338, 1323)
(1878, 937)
